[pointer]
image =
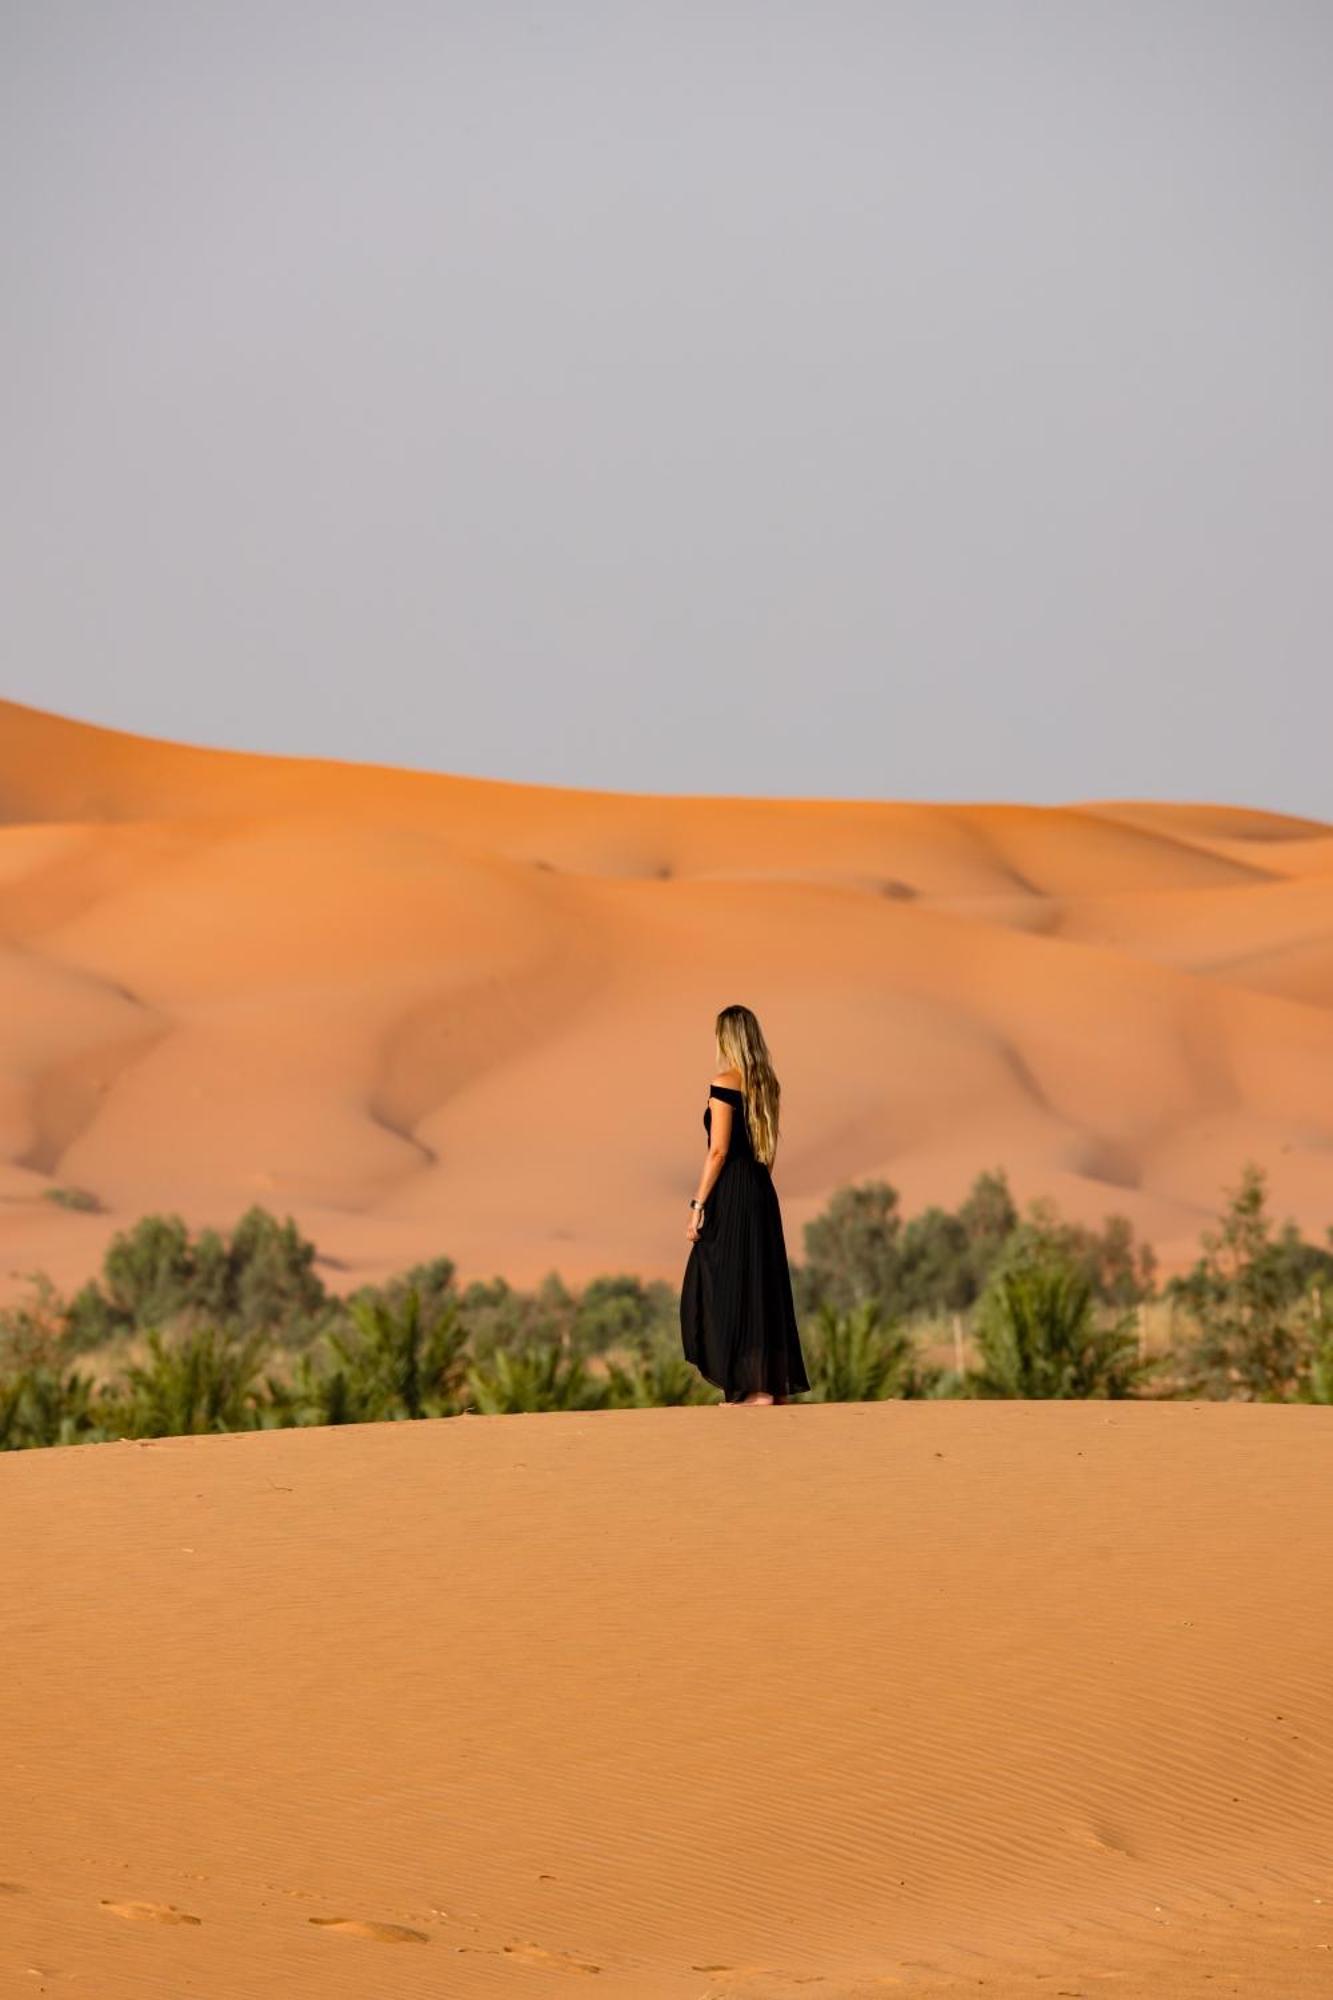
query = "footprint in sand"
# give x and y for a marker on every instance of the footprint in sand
(555, 1961)
(1106, 1839)
(360, 1927)
(148, 1913)
(739, 1971)
(740, 1978)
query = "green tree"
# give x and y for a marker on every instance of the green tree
(615, 1311)
(148, 1271)
(269, 1276)
(1123, 1271)
(861, 1248)
(935, 1272)
(1119, 1270)
(989, 1217)
(1252, 1297)
(853, 1251)
(497, 1315)
(156, 1274)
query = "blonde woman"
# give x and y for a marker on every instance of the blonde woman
(737, 1314)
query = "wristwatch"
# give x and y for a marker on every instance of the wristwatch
(696, 1204)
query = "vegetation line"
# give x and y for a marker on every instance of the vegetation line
(187, 1333)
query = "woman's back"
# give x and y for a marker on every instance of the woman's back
(738, 1145)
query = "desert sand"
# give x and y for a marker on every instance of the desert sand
(438, 1015)
(1019, 1700)
(830, 1702)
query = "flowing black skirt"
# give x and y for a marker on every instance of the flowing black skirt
(737, 1314)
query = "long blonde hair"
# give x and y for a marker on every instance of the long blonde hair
(741, 1044)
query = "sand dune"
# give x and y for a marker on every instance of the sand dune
(706, 1704)
(431, 1014)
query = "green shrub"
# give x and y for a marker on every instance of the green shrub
(657, 1377)
(498, 1316)
(1319, 1388)
(41, 1405)
(11, 1413)
(1039, 1334)
(393, 1356)
(434, 1282)
(77, 1198)
(545, 1376)
(396, 1362)
(194, 1381)
(313, 1393)
(36, 1330)
(856, 1357)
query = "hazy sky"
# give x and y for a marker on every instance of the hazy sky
(860, 400)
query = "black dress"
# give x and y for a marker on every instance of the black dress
(737, 1314)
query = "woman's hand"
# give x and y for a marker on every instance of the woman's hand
(694, 1227)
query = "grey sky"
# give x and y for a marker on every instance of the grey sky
(920, 401)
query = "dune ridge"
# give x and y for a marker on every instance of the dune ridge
(837, 1701)
(431, 1013)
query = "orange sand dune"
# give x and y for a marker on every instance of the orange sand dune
(430, 1014)
(817, 1703)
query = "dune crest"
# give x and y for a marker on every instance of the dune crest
(431, 1014)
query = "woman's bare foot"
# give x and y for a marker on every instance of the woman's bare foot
(762, 1397)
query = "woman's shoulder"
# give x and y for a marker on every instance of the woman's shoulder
(729, 1079)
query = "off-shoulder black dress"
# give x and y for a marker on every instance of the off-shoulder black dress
(737, 1314)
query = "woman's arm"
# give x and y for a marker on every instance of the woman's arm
(719, 1140)
(718, 1144)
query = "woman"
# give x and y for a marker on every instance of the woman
(737, 1315)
